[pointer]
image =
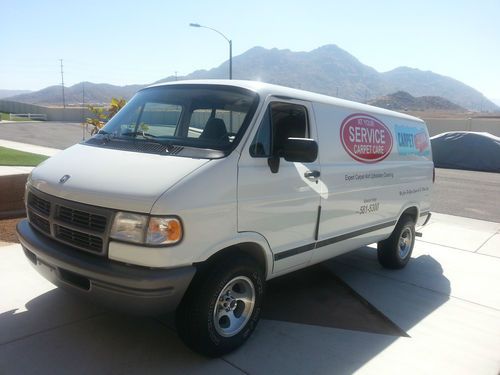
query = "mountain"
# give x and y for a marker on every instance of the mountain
(419, 83)
(7, 93)
(329, 70)
(401, 100)
(95, 93)
(326, 70)
(333, 71)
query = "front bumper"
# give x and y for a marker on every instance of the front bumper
(132, 289)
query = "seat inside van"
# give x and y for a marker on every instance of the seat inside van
(215, 130)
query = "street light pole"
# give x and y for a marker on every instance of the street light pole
(227, 40)
(230, 59)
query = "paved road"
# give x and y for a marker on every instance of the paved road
(49, 134)
(467, 193)
(462, 193)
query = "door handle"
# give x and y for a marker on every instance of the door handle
(312, 174)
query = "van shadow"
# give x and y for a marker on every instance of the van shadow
(406, 296)
(316, 296)
(373, 308)
(90, 339)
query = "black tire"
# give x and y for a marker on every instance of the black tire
(391, 254)
(195, 320)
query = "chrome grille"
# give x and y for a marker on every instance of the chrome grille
(82, 226)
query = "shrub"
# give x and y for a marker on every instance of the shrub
(102, 115)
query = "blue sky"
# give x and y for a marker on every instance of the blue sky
(126, 42)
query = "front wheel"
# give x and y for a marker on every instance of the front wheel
(222, 306)
(395, 252)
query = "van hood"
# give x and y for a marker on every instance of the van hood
(110, 178)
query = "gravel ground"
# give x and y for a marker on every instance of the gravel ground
(8, 231)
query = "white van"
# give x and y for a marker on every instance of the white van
(197, 192)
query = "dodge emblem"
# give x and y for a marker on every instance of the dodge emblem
(64, 178)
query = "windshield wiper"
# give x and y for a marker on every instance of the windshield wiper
(144, 134)
(106, 135)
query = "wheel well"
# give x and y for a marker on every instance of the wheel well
(250, 249)
(411, 212)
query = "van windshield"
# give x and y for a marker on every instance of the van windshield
(195, 116)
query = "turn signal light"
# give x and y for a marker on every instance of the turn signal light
(164, 231)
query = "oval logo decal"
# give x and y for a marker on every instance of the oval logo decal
(365, 138)
(64, 178)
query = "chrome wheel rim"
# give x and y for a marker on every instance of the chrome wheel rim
(405, 241)
(234, 306)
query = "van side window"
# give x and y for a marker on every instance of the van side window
(281, 121)
(261, 145)
(289, 121)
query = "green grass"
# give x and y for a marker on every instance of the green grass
(6, 117)
(19, 158)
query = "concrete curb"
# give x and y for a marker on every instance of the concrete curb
(14, 170)
(34, 149)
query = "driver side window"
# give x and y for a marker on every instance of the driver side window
(280, 122)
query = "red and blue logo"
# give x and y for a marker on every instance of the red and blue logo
(365, 138)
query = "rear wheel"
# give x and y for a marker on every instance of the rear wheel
(395, 252)
(222, 306)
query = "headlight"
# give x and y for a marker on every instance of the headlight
(129, 227)
(143, 229)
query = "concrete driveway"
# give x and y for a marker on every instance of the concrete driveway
(445, 305)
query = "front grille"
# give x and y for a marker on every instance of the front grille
(39, 222)
(79, 225)
(39, 204)
(79, 239)
(82, 219)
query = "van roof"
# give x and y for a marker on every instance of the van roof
(265, 89)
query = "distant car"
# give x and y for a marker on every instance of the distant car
(466, 150)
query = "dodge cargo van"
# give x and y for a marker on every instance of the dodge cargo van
(197, 192)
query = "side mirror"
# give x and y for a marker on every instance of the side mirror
(303, 150)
